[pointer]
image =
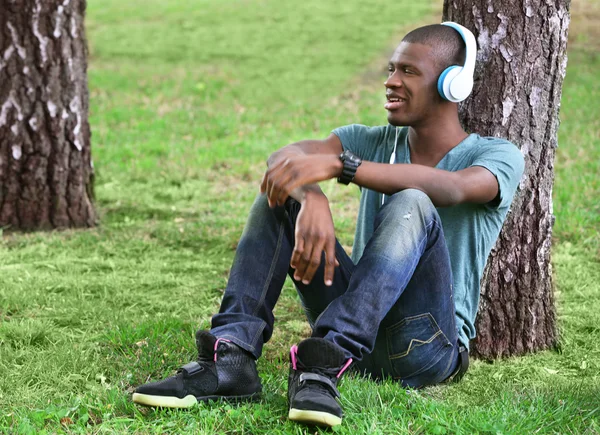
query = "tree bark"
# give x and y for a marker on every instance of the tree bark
(46, 173)
(522, 61)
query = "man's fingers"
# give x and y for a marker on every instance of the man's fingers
(277, 182)
(263, 183)
(282, 189)
(266, 185)
(330, 261)
(304, 262)
(297, 255)
(313, 262)
(271, 190)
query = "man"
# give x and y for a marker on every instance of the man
(433, 202)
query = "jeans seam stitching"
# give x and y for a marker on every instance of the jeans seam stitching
(432, 322)
(258, 332)
(405, 321)
(234, 339)
(419, 344)
(448, 368)
(343, 266)
(271, 269)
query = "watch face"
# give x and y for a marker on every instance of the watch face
(350, 157)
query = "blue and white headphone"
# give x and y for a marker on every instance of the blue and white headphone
(456, 82)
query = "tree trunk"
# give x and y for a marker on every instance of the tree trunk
(46, 174)
(522, 60)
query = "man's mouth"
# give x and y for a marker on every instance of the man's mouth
(394, 103)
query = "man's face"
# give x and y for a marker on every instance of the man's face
(411, 86)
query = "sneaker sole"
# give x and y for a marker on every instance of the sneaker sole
(187, 402)
(318, 418)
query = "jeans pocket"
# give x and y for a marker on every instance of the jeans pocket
(415, 344)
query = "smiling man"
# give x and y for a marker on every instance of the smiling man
(432, 205)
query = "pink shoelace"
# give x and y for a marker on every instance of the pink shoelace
(217, 341)
(294, 350)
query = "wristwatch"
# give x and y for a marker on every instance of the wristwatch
(351, 164)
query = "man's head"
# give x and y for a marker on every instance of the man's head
(414, 70)
(448, 46)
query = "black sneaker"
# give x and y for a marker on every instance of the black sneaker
(223, 371)
(316, 367)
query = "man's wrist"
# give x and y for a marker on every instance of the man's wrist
(337, 165)
(309, 193)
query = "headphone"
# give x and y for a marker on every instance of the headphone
(456, 82)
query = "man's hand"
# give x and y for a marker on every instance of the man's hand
(295, 171)
(314, 234)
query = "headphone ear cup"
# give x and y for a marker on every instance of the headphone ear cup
(461, 87)
(445, 81)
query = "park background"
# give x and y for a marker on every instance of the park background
(187, 100)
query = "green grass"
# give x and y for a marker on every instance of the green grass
(577, 191)
(187, 101)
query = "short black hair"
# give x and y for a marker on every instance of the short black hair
(448, 46)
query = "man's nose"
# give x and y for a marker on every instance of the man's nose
(393, 81)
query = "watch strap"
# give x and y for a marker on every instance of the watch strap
(351, 164)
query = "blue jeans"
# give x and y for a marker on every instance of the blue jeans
(392, 312)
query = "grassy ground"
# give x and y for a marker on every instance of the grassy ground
(187, 101)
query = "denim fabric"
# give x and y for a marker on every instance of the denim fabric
(393, 311)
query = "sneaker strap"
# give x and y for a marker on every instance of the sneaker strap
(191, 368)
(314, 377)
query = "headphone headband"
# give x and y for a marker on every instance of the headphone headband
(456, 82)
(470, 43)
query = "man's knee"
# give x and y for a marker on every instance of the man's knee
(261, 214)
(261, 204)
(261, 209)
(413, 197)
(407, 203)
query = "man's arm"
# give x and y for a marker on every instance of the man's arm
(474, 184)
(293, 173)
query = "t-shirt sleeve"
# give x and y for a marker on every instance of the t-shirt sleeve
(505, 161)
(360, 140)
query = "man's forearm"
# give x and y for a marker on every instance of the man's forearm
(444, 188)
(441, 186)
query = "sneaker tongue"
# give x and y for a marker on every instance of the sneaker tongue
(205, 342)
(320, 353)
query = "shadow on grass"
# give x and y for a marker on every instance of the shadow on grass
(136, 212)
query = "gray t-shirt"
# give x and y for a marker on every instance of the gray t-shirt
(470, 229)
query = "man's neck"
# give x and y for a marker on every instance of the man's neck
(430, 143)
